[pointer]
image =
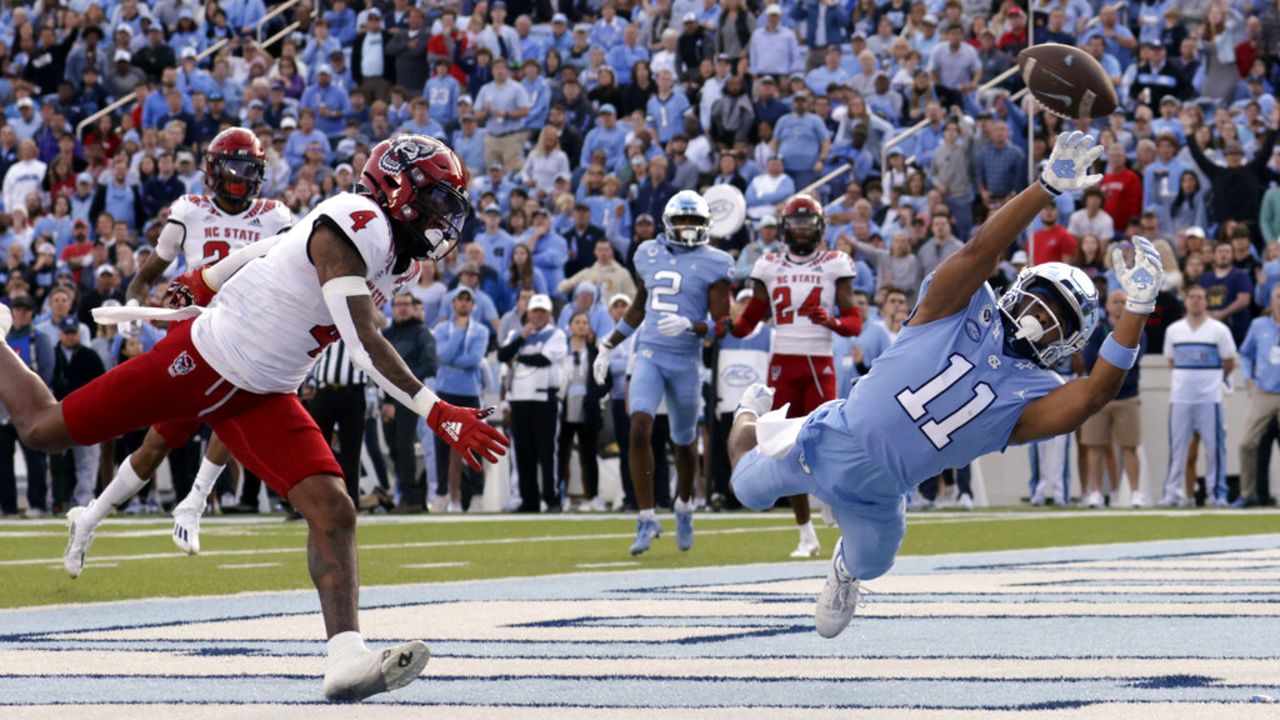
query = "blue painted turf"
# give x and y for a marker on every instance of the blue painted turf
(777, 630)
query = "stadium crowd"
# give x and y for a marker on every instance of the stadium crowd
(578, 121)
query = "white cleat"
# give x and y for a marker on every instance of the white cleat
(358, 676)
(965, 502)
(756, 400)
(1137, 500)
(808, 548)
(79, 538)
(186, 528)
(839, 597)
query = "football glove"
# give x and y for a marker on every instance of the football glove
(465, 430)
(673, 325)
(188, 289)
(1068, 166)
(1142, 279)
(600, 368)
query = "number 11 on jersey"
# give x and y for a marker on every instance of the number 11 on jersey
(940, 432)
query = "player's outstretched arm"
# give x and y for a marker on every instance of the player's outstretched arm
(341, 272)
(1066, 408)
(959, 276)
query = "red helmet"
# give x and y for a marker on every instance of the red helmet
(234, 165)
(802, 224)
(422, 185)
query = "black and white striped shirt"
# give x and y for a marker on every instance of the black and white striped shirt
(335, 367)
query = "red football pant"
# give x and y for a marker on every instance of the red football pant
(804, 381)
(272, 435)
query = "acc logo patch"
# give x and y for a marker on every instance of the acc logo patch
(987, 314)
(182, 365)
(972, 330)
(739, 375)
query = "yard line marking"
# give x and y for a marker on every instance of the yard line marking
(620, 563)
(249, 566)
(403, 546)
(432, 566)
(95, 565)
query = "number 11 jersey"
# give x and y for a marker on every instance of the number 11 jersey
(944, 393)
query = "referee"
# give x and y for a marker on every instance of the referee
(339, 401)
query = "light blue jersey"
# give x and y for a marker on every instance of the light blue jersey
(945, 393)
(677, 279)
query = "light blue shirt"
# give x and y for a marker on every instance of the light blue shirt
(621, 58)
(470, 149)
(800, 140)
(509, 96)
(497, 249)
(539, 103)
(330, 98)
(775, 52)
(1260, 354)
(668, 115)
(612, 142)
(461, 351)
(820, 77)
(442, 94)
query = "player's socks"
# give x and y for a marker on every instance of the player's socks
(206, 476)
(353, 672)
(648, 514)
(809, 545)
(684, 524)
(123, 486)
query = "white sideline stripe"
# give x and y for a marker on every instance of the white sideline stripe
(432, 566)
(403, 546)
(390, 711)
(620, 563)
(94, 565)
(249, 566)
(140, 663)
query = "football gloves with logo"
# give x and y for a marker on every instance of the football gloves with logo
(465, 430)
(1142, 279)
(189, 288)
(1068, 167)
(673, 325)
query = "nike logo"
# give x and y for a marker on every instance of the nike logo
(1064, 99)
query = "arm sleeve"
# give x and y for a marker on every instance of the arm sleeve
(1206, 166)
(218, 274)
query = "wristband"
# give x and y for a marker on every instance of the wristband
(624, 329)
(1118, 355)
(1048, 188)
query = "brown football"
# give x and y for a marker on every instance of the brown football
(1067, 81)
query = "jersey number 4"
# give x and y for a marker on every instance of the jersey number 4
(324, 334)
(939, 432)
(782, 312)
(360, 218)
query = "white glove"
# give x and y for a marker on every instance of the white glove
(1073, 155)
(130, 328)
(672, 325)
(756, 400)
(1141, 280)
(601, 366)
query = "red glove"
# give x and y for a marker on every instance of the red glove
(845, 326)
(465, 430)
(187, 289)
(820, 316)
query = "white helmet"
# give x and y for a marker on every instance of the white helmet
(687, 219)
(1073, 290)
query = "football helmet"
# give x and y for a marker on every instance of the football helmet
(802, 224)
(1072, 292)
(687, 219)
(234, 165)
(422, 185)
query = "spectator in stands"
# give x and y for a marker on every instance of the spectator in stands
(802, 139)
(769, 189)
(1121, 188)
(1052, 242)
(580, 409)
(1260, 363)
(774, 49)
(1119, 423)
(1229, 291)
(942, 243)
(76, 365)
(535, 351)
(417, 347)
(606, 274)
(409, 48)
(1237, 188)
(37, 352)
(460, 343)
(1002, 166)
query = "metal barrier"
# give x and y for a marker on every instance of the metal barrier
(257, 31)
(92, 119)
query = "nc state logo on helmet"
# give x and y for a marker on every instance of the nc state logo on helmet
(802, 224)
(422, 185)
(234, 165)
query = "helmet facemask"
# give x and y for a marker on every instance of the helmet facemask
(688, 230)
(1020, 306)
(431, 224)
(237, 179)
(802, 233)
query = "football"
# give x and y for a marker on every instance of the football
(1067, 81)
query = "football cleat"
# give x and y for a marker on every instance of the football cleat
(965, 502)
(357, 676)
(647, 530)
(684, 526)
(79, 538)
(808, 548)
(186, 528)
(839, 597)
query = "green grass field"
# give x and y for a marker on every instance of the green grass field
(134, 559)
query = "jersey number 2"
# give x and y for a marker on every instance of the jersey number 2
(940, 432)
(657, 296)
(215, 250)
(782, 312)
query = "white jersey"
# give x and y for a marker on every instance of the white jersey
(208, 233)
(796, 287)
(269, 322)
(1198, 357)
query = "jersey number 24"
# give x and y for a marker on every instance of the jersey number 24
(939, 432)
